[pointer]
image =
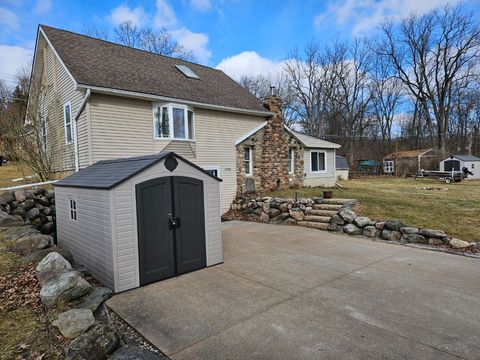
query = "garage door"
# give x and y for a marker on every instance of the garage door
(450, 165)
(171, 227)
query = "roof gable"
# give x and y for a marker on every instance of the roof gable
(466, 157)
(108, 174)
(105, 64)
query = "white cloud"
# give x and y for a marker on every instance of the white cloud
(12, 58)
(8, 19)
(43, 6)
(249, 63)
(201, 5)
(124, 13)
(195, 42)
(164, 16)
(365, 15)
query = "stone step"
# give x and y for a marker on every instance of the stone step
(316, 218)
(313, 225)
(323, 212)
(327, 207)
(338, 201)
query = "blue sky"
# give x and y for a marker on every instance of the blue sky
(243, 37)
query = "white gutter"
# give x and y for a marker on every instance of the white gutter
(75, 120)
(28, 185)
(143, 96)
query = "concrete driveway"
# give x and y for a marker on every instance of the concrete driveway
(287, 292)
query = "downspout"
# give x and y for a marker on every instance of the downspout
(75, 120)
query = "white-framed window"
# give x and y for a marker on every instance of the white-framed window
(388, 166)
(213, 170)
(44, 135)
(318, 161)
(291, 160)
(248, 160)
(73, 209)
(174, 122)
(67, 118)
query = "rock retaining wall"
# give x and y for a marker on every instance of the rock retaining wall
(337, 215)
(34, 207)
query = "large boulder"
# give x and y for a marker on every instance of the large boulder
(347, 215)
(414, 238)
(337, 219)
(274, 212)
(361, 221)
(391, 235)
(264, 217)
(429, 233)
(477, 245)
(47, 228)
(334, 227)
(95, 298)
(51, 265)
(351, 229)
(38, 255)
(6, 197)
(132, 352)
(20, 195)
(32, 213)
(74, 322)
(7, 220)
(409, 230)
(66, 286)
(393, 224)
(27, 204)
(297, 215)
(380, 225)
(459, 244)
(370, 231)
(98, 343)
(16, 232)
(31, 242)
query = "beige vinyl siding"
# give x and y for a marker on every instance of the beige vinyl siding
(124, 218)
(60, 90)
(89, 238)
(123, 127)
(320, 179)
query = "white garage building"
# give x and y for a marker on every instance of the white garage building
(458, 162)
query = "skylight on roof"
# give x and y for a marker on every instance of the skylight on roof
(187, 71)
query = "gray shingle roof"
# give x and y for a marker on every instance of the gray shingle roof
(107, 174)
(466, 157)
(105, 64)
(341, 163)
(314, 142)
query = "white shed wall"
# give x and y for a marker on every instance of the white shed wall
(124, 219)
(89, 238)
(468, 164)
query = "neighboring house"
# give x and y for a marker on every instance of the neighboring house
(403, 163)
(341, 167)
(458, 162)
(106, 101)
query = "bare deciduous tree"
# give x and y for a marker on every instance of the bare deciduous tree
(434, 55)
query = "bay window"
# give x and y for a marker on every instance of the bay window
(318, 161)
(172, 121)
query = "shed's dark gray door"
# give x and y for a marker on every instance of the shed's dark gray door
(450, 165)
(190, 235)
(166, 250)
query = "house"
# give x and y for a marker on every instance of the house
(403, 163)
(458, 162)
(341, 167)
(106, 101)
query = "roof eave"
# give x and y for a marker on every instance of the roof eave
(152, 97)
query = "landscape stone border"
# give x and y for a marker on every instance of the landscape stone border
(277, 210)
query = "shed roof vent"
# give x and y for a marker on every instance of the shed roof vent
(187, 71)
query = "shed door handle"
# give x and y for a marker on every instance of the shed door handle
(174, 222)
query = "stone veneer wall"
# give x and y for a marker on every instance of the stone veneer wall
(270, 152)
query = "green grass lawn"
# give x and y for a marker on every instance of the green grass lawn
(454, 208)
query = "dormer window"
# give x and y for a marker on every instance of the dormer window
(173, 121)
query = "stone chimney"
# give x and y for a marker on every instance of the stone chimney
(275, 173)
